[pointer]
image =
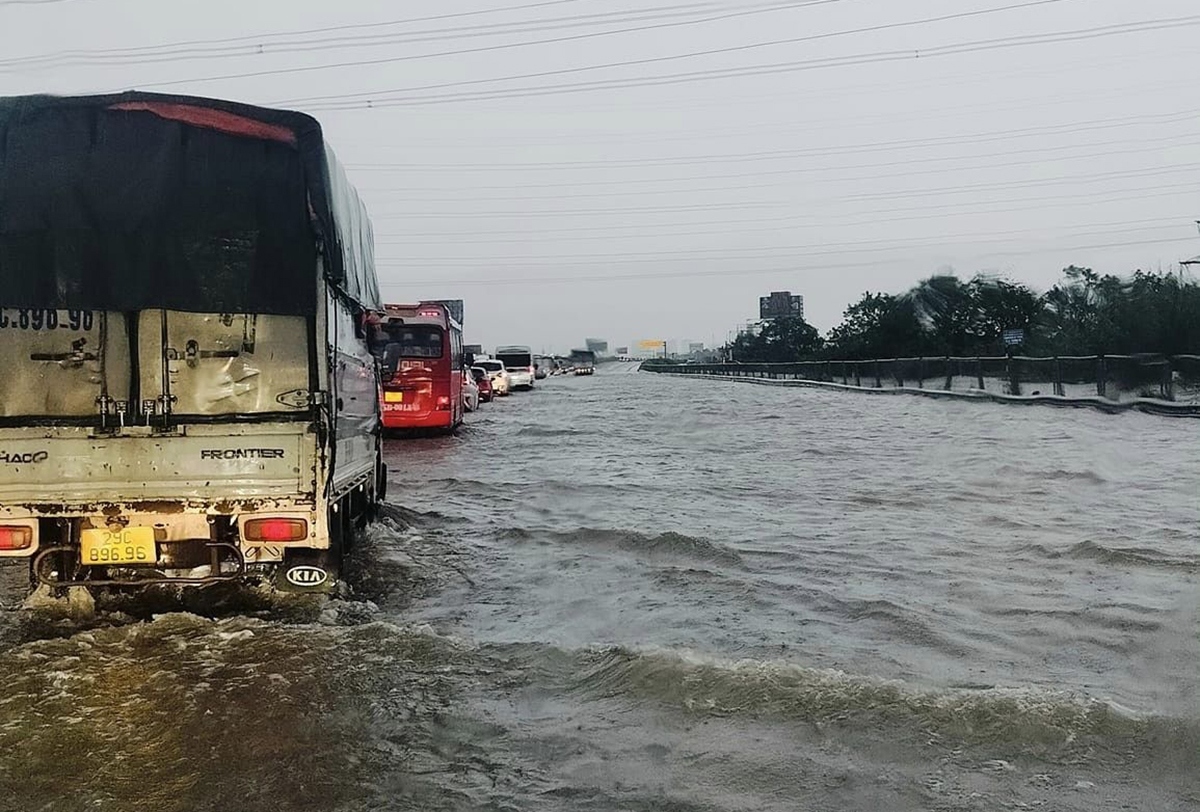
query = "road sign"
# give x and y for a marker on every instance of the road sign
(1013, 338)
(651, 345)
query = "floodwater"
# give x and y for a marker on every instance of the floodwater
(634, 592)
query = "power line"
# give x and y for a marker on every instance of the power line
(878, 57)
(890, 214)
(258, 38)
(489, 139)
(690, 254)
(1088, 61)
(773, 155)
(1111, 226)
(539, 280)
(908, 193)
(675, 57)
(154, 54)
(498, 47)
(975, 166)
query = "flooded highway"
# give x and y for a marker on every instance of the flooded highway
(639, 592)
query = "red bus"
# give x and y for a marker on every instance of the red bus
(420, 348)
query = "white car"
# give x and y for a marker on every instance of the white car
(501, 384)
(470, 393)
(520, 378)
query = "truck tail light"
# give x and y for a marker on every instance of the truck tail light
(275, 530)
(443, 403)
(15, 537)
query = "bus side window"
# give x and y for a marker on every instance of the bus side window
(390, 359)
(377, 340)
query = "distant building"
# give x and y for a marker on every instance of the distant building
(780, 304)
(597, 345)
(622, 351)
(695, 347)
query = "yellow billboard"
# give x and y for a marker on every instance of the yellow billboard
(651, 345)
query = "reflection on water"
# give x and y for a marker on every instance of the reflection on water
(625, 592)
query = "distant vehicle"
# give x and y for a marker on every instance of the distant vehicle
(518, 360)
(583, 362)
(184, 294)
(498, 374)
(470, 394)
(483, 382)
(420, 350)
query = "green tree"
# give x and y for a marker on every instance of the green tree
(779, 340)
(878, 325)
(946, 308)
(1002, 305)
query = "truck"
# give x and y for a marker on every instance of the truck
(186, 292)
(583, 362)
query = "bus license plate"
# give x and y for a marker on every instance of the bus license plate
(133, 545)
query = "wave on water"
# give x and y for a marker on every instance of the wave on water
(399, 517)
(665, 545)
(546, 431)
(1147, 556)
(781, 690)
(474, 487)
(207, 710)
(1086, 475)
(1119, 556)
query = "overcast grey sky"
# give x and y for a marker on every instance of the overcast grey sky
(634, 170)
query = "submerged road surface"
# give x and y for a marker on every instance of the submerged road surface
(631, 592)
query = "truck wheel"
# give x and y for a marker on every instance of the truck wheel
(381, 483)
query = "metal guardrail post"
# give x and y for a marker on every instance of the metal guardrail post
(1014, 385)
(878, 379)
(920, 373)
(979, 371)
(1058, 381)
(1101, 376)
(858, 374)
(1168, 381)
(898, 373)
(949, 374)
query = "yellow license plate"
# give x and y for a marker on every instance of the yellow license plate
(393, 397)
(133, 545)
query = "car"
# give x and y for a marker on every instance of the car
(470, 393)
(483, 382)
(501, 383)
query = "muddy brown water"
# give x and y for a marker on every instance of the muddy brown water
(628, 592)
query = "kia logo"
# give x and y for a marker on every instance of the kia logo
(306, 576)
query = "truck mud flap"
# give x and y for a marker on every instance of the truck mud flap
(308, 571)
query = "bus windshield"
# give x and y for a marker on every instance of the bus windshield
(516, 360)
(415, 341)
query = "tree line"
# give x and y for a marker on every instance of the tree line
(1084, 314)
